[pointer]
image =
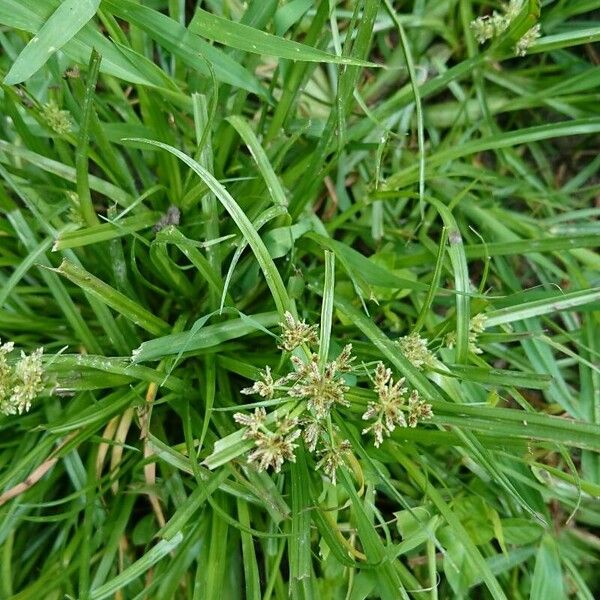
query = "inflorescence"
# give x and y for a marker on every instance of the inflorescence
(21, 384)
(58, 120)
(394, 406)
(491, 26)
(476, 327)
(415, 349)
(323, 387)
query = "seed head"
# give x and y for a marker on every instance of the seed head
(322, 390)
(387, 410)
(311, 432)
(58, 120)
(343, 363)
(391, 405)
(295, 333)
(513, 9)
(25, 382)
(418, 410)
(386, 389)
(273, 448)
(264, 388)
(414, 348)
(6, 375)
(332, 458)
(476, 326)
(528, 39)
(477, 323)
(253, 422)
(491, 26)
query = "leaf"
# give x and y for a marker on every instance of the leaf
(547, 576)
(458, 569)
(545, 306)
(506, 139)
(64, 23)
(21, 270)
(300, 558)
(172, 235)
(66, 172)
(192, 50)
(270, 272)
(280, 240)
(462, 282)
(240, 36)
(52, 281)
(116, 300)
(459, 533)
(207, 337)
(191, 504)
(509, 423)
(290, 13)
(258, 154)
(116, 60)
(104, 232)
(251, 572)
(488, 376)
(520, 531)
(140, 566)
(565, 40)
(363, 268)
(390, 585)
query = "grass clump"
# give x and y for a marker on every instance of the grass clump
(307, 297)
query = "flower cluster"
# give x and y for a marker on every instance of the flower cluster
(415, 349)
(294, 333)
(264, 388)
(323, 388)
(491, 26)
(271, 448)
(528, 39)
(332, 457)
(58, 120)
(393, 406)
(19, 385)
(476, 327)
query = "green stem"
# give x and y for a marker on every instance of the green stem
(81, 158)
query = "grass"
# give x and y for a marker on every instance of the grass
(176, 179)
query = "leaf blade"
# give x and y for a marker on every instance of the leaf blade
(250, 39)
(64, 23)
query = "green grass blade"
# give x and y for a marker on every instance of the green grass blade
(327, 308)
(65, 22)
(209, 336)
(299, 552)
(462, 282)
(548, 43)
(547, 576)
(475, 556)
(249, 39)
(141, 566)
(507, 139)
(545, 306)
(270, 272)
(116, 300)
(258, 154)
(104, 232)
(24, 266)
(184, 44)
(500, 377)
